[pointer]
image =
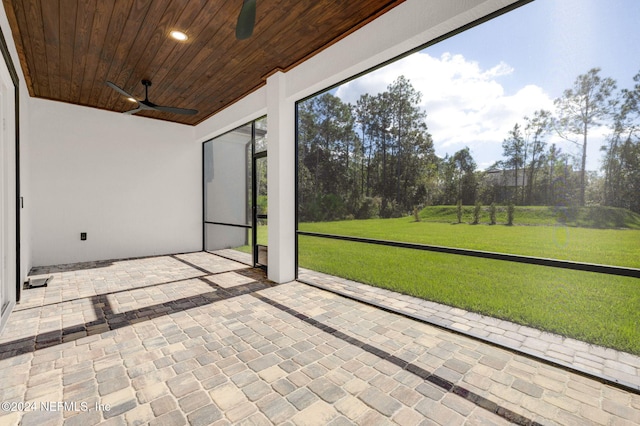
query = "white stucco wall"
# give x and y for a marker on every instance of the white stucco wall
(132, 183)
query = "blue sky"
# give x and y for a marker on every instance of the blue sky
(478, 84)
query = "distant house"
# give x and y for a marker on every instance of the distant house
(506, 178)
(502, 184)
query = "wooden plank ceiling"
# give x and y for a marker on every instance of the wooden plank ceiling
(68, 49)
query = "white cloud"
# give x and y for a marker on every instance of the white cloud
(466, 105)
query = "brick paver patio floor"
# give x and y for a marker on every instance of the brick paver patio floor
(200, 339)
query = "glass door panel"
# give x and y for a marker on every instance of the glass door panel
(227, 190)
(261, 208)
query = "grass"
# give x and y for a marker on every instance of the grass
(619, 247)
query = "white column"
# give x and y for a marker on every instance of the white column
(281, 180)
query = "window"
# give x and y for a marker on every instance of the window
(462, 174)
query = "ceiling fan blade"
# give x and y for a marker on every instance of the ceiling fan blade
(246, 20)
(175, 110)
(119, 90)
(133, 111)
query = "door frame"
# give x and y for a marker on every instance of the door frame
(254, 201)
(16, 201)
(250, 193)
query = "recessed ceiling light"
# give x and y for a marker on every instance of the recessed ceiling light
(131, 100)
(179, 35)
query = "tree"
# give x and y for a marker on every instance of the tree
(513, 151)
(448, 183)
(553, 155)
(412, 142)
(377, 155)
(582, 107)
(536, 129)
(327, 138)
(396, 146)
(363, 112)
(622, 155)
(465, 166)
(560, 181)
(380, 120)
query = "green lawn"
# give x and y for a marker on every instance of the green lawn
(592, 307)
(619, 247)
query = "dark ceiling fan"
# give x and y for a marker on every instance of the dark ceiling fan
(246, 20)
(148, 105)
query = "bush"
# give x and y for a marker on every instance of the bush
(323, 208)
(392, 210)
(511, 209)
(477, 210)
(459, 211)
(492, 213)
(416, 214)
(369, 208)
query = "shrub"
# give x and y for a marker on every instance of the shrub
(324, 208)
(511, 209)
(397, 211)
(477, 210)
(369, 208)
(492, 213)
(416, 214)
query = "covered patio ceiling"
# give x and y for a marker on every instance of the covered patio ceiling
(68, 49)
